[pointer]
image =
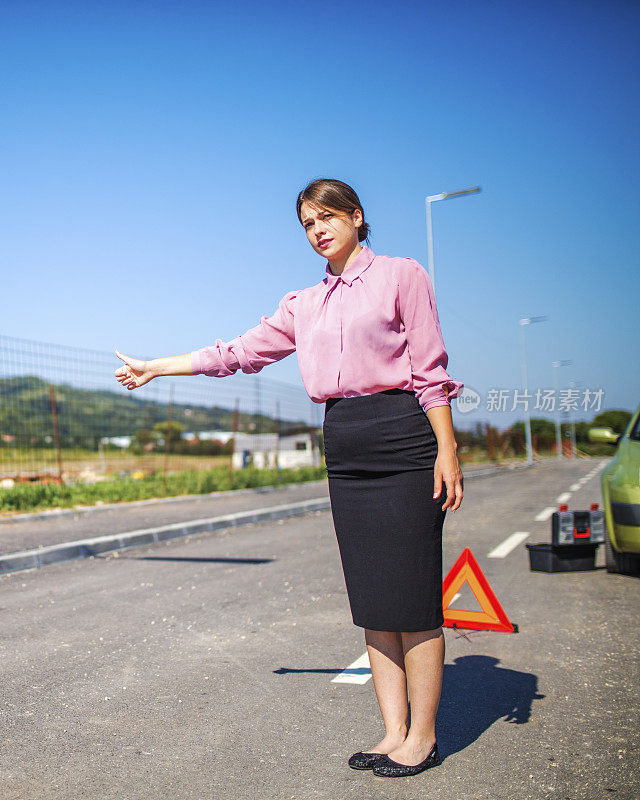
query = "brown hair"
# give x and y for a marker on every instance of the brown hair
(332, 193)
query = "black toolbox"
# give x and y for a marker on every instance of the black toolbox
(549, 557)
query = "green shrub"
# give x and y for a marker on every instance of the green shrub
(34, 496)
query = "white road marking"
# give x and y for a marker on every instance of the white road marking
(358, 672)
(545, 514)
(509, 544)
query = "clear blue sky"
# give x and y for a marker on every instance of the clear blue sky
(151, 153)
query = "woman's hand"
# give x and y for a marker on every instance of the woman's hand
(447, 469)
(135, 373)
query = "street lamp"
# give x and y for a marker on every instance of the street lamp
(523, 322)
(573, 385)
(557, 364)
(432, 199)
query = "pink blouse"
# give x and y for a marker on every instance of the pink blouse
(373, 327)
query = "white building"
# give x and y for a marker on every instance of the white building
(263, 449)
(208, 436)
(118, 441)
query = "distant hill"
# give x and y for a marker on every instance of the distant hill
(85, 416)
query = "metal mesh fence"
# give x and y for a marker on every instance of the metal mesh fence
(64, 416)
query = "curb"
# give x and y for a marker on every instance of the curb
(85, 548)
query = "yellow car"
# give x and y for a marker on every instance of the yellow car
(620, 481)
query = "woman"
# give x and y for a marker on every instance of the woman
(369, 345)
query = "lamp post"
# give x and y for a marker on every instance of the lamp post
(432, 199)
(557, 364)
(573, 385)
(523, 322)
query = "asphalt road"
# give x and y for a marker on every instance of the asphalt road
(205, 668)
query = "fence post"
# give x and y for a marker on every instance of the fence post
(258, 421)
(521, 442)
(167, 438)
(56, 432)
(233, 442)
(278, 434)
(313, 434)
(490, 445)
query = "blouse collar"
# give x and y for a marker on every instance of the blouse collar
(353, 270)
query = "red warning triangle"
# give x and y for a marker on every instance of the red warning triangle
(492, 616)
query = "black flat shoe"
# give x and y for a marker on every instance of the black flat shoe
(388, 768)
(362, 760)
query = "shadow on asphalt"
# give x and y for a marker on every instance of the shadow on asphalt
(211, 560)
(327, 670)
(476, 692)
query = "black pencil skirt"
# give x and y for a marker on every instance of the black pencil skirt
(380, 451)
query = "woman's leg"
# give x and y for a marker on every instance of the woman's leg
(424, 665)
(386, 657)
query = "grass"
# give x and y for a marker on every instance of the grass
(25, 497)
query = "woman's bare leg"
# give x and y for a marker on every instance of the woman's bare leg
(386, 657)
(424, 665)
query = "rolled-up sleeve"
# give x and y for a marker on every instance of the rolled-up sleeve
(432, 384)
(271, 340)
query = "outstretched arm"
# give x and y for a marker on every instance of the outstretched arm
(271, 340)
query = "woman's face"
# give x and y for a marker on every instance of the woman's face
(331, 233)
